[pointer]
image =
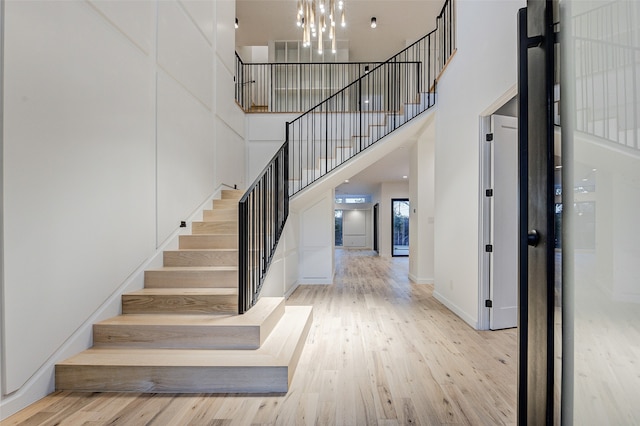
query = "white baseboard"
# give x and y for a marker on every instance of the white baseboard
(291, 289)
(473, 322)
(42, 382)
(312, 281)
(417, 280)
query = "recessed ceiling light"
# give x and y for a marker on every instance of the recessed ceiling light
(346, 181)
(404, 177)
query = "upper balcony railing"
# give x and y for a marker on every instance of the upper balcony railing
(292, 87)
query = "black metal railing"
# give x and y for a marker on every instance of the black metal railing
(262, 213)
(607, 79)
(382, 99)
(376, 104)
(292, 87)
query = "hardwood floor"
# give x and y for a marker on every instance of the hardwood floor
(381, 350)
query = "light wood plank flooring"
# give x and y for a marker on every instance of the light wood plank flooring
(381, 350)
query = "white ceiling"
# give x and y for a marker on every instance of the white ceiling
(390, 169)
(399, 21)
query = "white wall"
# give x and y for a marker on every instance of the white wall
(389, 190)
(421, 217)
(357, 228)
(316, 240)
(265, 135)
(483, 69)
(282, 277)
(118, 119)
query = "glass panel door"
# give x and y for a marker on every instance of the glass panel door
(600, 118)
(400, 227)
(338, 228)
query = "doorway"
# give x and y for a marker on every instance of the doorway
(399, 227)
(498, 248)
(376, 207)
(503, 223)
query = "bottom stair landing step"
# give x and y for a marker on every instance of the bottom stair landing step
(267, 369)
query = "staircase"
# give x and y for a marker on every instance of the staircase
(358, 131)
(330, 135)
(181, 332)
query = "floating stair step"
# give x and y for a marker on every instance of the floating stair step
(217, 227)
(232, 194)
(208, 241)
(201, 257)
(191, 277)
(220, 214)
(181, 301)
(264, 370)
(171, 331)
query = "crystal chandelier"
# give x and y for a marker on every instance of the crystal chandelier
(318, 19)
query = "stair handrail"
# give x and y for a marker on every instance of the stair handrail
(262, 213)
(387, 90)
(264, 208)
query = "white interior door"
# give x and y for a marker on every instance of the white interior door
(504, 223)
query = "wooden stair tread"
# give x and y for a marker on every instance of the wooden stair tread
(254, 317)
(277, 350)
(201, 250)
(198, 291)
(195, 268)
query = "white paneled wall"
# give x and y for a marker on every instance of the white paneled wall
(265, 135)
(119, 122)
(185, 153)
(316, 240)
(357, 229)
(421, 216)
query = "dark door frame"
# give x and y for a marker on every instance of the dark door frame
(376, 207)
(536, 44)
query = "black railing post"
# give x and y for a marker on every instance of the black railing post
(360, 111)
(242, 257)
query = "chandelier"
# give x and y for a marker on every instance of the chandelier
(318, 18)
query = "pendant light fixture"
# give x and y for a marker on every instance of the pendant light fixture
(316, 17)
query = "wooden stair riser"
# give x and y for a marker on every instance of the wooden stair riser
(206, 241)
(175, 337)
(231, 194)
(179, 304)
(214, 257)
(217, 227)
(228, 204)
(190, 278)
(169, 379)
(223, 214)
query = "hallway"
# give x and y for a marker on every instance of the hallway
(381, 350)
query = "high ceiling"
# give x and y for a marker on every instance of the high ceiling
(399, 22)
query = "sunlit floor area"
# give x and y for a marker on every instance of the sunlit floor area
(381, 350)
